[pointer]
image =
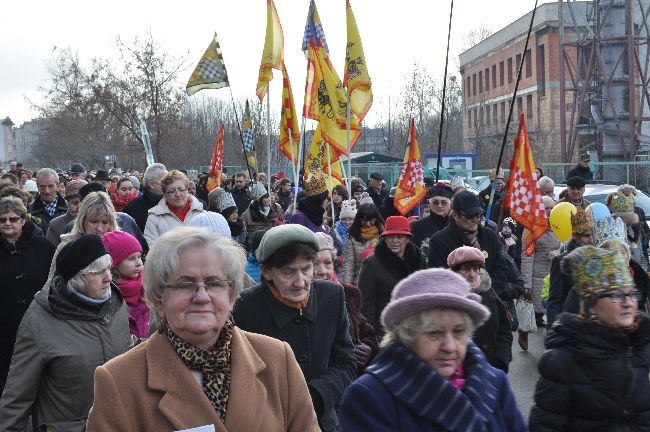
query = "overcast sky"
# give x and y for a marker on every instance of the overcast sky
(395, 34)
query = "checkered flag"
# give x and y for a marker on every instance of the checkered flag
(313, 30)
(210, 72)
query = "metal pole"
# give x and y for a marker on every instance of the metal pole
(560, 17)
(444, 93)
(348, 181)
(629, 16)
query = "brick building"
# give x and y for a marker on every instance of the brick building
(489, 72)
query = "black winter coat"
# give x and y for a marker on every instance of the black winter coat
(593, 378)
(41, 217)
(579, 171)
(24, 267)
(319, 338)
(378, 276)
(242, 200)
(426, 227)
(560, 284)
(138, 208)
(451, 237)
(377, 197)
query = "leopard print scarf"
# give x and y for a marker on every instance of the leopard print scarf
(214, 364)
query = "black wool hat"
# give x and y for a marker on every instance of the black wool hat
(79, 254)
(467, 204)
(576, 181)
(440, 189)
(88, 188)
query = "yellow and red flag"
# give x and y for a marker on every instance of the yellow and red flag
(525, 199)
(410, 188)
(216, 161)
(273, 52)
(356, 78)
(289, 130)
(317, 162)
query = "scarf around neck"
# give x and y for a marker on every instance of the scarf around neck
(180, 214)
(235, 227)
(131, 289)
(215, 365)
(294, 305)
(369, 233)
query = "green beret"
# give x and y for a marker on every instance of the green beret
(283, 235)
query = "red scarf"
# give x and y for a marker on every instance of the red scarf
(119, 201)
(180, 214)
(294, 305)
(131, 289)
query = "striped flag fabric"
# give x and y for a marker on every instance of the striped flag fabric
(289, 130)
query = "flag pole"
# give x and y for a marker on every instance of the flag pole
(348, 179)
(329, 177)
(241, 136)
(444, 93)
(268, 137)
(301, 156)
(512, 106)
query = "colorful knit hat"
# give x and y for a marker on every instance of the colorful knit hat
(622, 203)
(609, 228)
(582, 222)
(120, 245)
(348, 209)
(596, 271)
(509, 222)
(257, 191)
(315, 184)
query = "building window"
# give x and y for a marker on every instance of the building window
(503, 112)
(494, 76)
(529, 64)
(520, 105)
(480, 82)
(474, 84)
(510, 70)
(469, 118)
(469, 86)
(487, 114)
(529, 106)
(517, 63)
(480, 116)
(541, 71)
(475, 118)
(487, 79)
(495, 118)
(501, 74)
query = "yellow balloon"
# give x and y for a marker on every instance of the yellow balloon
(560, 220)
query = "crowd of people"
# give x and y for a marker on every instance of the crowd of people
(155, 301)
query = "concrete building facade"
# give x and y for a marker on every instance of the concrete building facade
(489, 73)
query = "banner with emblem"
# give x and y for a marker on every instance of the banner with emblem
(317, 161)
(211, 72)
(410, 188)
(247, 136)
(525, 198)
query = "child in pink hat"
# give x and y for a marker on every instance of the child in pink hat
(126, 252)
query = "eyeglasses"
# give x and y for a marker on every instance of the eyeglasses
(440, 202)
(11, 219)
(620, 296)
(179, 190)
(190, 288)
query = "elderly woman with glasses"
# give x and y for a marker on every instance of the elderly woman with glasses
(176, 208)
(200, 369)
(594, 373)
(77, 322)
(25, 259)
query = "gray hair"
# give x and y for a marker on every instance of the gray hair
(423, 322)
(626, 188)
(162, 259)
(152, 172)
(545, 180)
(95, 203)
(47, 172)
(13, 204)
(77, 283)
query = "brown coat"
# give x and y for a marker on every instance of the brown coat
(150, 389)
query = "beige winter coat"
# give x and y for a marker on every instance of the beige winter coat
(535, 268)
(161, 219)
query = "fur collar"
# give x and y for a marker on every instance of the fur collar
(630, 218)
(410, 262)
(486, 281)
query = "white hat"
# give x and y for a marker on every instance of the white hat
(348, 209)
(213, 221)
(30, 186)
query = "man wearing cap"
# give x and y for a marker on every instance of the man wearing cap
(440, 204)
(375, 190)
(582, 169)
(73, 200)
(464, 229)
(102, 178)
(77, 171)
(575, 191)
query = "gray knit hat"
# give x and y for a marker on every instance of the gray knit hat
(283, 235)
(220, 200)
(257, 191)
(431, 289)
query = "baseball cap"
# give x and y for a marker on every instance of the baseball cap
(467, 204)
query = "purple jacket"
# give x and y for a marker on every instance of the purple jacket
(299, 218)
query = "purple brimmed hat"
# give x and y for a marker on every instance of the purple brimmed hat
(432, 289)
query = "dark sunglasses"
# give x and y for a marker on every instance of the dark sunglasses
(11, 219)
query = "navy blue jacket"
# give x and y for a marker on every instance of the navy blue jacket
(400, 392)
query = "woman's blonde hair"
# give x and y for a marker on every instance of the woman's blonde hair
(171, 177)
(95, 204)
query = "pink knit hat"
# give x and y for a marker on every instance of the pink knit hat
(120, 245)
(464, 254)
(431, 289)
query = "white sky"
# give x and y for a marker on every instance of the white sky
(395, 34)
